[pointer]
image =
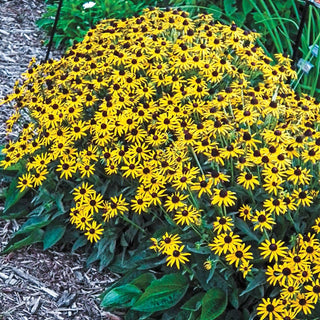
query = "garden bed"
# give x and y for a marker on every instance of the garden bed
(36, 284)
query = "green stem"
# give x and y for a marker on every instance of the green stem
(251, 195)
(289, 216)
(185, 267)
(284, 29)
(125, 218)
(270, 27)
(194, 201)
(197, 160)
(232, 170)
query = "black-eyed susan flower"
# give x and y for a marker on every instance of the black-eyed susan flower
(247, 180)
(175, 201)
(169, 242)
(245, 212)
(289, 291)
(223, 224)
(299, 176)
(302, 303)
(83, 218)
(313, 291)
(288, 314)
(316, 226)
(273, 184)
(25, 181)
(186, 215)
(270, 309)
(39, 177)
(118, 205)
(83, 192)
(302, 197)
(203, 186)
(86, 169)
(239, 254)
(93, 202)
(218, 177)
(177, 257)
(225, 242)
(276, 206)
(155, 245)
(287, 274)
(245, 267)
(262, 220)
(273, 249)
(223, 197)
(297, 259)
(67, 168)
(169, 107)
(74, 212)
(93, 231)
(139, 204)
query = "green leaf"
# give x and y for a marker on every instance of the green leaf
(233, 314)
(122, 297)
(229, 7)
(45, 23)
(214, 10)
(240, 224)
(126, 279)
(18, 242)
(144, 280)
(92, 257)
(52, 235)
(255, 282)
(194, 303)
(134, 315)
(246, 6)
(214, 303)
(202, 250)
(234, 298)
(13, 195)
(105, 260)
(80, 242)
(20, 209)
(33, 223)
(162, 294)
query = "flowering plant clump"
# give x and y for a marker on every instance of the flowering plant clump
(175, 146)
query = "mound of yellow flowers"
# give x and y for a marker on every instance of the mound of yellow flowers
(204, 135)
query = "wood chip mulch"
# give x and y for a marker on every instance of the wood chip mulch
(20, 40)
(37, 284)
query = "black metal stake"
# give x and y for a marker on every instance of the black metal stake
(53, 30)
(298, 38)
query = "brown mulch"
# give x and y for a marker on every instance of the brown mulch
(20, 40)
(37, 284)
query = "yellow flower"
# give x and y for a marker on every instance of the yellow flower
(25, 181)
(247, 180)
(177, 257)
(94, 231)
(223, 197)
(270, 309)
(272, 249)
